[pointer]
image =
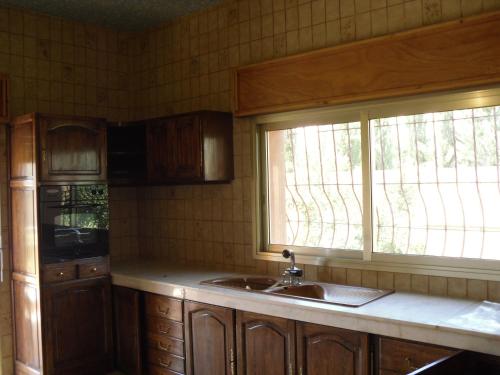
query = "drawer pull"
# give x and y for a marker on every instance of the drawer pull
(60, 274)
(166, 364)
(167, 348)
(163, 312)
(409, 364)
(93, 270)
(165, 331)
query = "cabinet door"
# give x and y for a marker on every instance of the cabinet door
(160, 151)
(331, 351)
(127, 330)
(77, 322)
(187, 144)
(72, 149)
(266, 345)
(210, 346)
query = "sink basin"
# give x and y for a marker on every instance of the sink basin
(352, 296)
(247, 283)
(331, 293)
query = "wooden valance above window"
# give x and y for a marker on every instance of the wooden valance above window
(452, 55)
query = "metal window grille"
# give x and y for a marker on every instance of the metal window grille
(315, 186)
(436, 183)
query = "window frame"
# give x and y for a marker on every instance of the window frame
(363, 112)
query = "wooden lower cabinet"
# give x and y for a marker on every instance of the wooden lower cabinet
(266, 344)
(77, 327)
(325, 350)
(126, 308)
(210, 340)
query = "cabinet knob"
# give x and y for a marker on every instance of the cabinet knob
(163, 312)
(162, 347)
(409, 364)
(94, 269)
(60, 274)
(166, 364)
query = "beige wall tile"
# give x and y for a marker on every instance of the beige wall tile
(420, 284)
(353, 277)
(339, 275)
(402, 282)
(438, 285)
(385, 280)
(369, 279)
(457, 287)
(477, 289)
(494, 291)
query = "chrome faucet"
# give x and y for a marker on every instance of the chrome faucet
(293, 274)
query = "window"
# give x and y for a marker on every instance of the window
(418, 177)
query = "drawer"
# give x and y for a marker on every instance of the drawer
(156, 370)
(165, 343)
(94, 268)
(166, 360)
(164, 307)
(405, 356)
(164, 327)
(54, 273)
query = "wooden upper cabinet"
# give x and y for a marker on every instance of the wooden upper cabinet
(266, 345)
(72, 149)
(325, 350)
(210, 342)
(190, 148)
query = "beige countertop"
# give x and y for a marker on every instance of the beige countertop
(457, 323)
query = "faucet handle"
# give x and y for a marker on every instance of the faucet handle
(287, 253)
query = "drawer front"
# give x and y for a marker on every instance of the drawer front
(56, 273)
(165, 360)
(166, 344)
(165, 327)
(156, 370)
(403, 356)
(93, 269)
(164, 307)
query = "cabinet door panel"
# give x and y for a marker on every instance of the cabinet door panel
(127, 330)
(209, 339)
(188, 164)
(325, 350)
(72, 149)
(266, 345)
(160, 150)
(77, 320)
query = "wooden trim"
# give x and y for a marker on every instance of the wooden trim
(447, 56)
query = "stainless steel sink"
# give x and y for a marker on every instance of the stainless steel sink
(331, 293)
(318, 292)
(247, 283)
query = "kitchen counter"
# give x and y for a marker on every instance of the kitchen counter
(456, 323)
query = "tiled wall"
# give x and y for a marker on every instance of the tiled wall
(186, 65)
(62, 67)
(57, 66)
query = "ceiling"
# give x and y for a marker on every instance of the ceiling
(126, 15)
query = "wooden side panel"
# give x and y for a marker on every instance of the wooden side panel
(23, 231)
(331, 351)
(210, 340)
(218, 147)
(127, 330)
(22, 148)
(266, 345)
(26, 319)
(448, 56)
(4, 98)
